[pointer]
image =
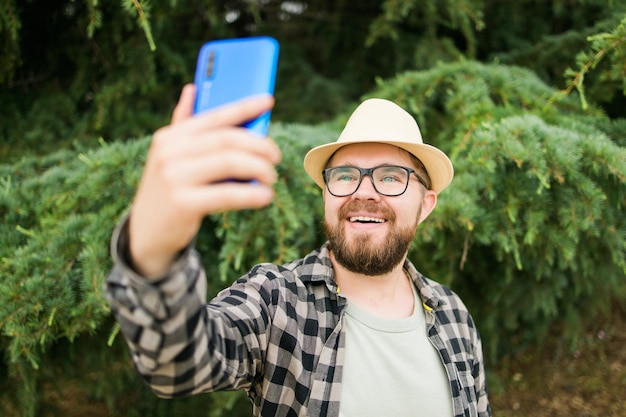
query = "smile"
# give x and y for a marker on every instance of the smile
(365, 219)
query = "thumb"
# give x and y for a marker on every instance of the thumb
(184, 107)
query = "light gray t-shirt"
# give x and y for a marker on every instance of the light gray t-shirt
(391, 368)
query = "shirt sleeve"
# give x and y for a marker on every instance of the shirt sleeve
(179, 344)
(483, 407)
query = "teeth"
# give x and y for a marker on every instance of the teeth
(366, 219)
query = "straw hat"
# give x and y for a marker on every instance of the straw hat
(382, 121)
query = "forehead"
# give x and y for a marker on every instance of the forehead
(367, 155)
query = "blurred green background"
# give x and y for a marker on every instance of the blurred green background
(527, 97)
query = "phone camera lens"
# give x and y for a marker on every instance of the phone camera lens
(210, 63)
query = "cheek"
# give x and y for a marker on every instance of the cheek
(408, 213)
(331, 208)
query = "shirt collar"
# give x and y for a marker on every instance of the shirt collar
(429, 296)
(319, 268)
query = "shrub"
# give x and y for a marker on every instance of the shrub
(530, 232)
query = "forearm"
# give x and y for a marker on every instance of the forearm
(154, 315)
(179, 344)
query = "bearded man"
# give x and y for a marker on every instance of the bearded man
(352, 329)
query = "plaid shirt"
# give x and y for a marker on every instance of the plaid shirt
(276, 333)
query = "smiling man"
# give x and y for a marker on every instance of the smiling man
(352, 329)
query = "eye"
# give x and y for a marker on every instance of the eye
(389, 179)
(344, 175)
(390, 175)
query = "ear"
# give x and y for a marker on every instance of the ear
(429, 202)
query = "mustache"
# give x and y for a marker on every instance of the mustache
(368, 207)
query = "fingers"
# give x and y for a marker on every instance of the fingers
(191, 172)
(217, 167)
(232, 114)
(192, 163)
(227, 196)
(181, 143)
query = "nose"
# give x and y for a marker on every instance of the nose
(366, 190)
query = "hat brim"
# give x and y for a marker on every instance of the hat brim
(437, 163)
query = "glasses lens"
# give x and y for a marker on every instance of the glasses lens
(342, 181)
(387, 180)
(390, 180)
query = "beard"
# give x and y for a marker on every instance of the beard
(362, 255)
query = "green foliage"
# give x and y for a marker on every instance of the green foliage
(74, 71)
(558, 49)
(58, 213)
(141, 10)
(611, 44)
(531, 231)
(85, 69)
(464, 16)
(9, 33)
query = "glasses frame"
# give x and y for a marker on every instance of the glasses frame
(369, 172)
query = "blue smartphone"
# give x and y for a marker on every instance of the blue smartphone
(232, 69)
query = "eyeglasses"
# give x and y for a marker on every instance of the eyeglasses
(388, 180)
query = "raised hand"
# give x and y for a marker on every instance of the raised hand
(188, 175)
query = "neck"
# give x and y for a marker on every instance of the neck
(387, 295)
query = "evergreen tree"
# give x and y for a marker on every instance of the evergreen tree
(72, 72)
(528, 104)
(532, 220)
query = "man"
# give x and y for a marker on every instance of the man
(352, 329)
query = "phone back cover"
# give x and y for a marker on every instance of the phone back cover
(232, 69)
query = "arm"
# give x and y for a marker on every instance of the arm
(179, 345)
(157, 286)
